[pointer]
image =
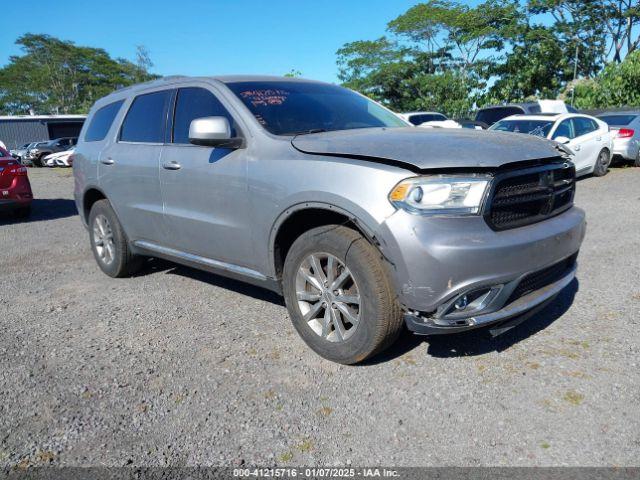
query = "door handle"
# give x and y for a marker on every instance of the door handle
(107, 161)
(172, 165)
(598, 138)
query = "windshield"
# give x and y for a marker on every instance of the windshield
(290, 108)
(540, 128)
(617, 119)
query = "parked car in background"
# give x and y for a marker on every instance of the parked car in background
(20, 152)
(471, 124)
(40, 151)
(491, 114)
(429, 120)
(25, 156)
(60, 159)
(625, 129)
(15, 189)
(587, 137)
(418, 118)
(362, 222)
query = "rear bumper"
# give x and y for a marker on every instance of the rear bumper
(627, 149)
(16, 195)
(8, 205)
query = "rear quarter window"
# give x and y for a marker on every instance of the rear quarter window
(101, 122)
(146, 119)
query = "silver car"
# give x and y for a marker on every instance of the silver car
(625, 128)
(363, 223)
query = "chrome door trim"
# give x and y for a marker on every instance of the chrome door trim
(209, 262)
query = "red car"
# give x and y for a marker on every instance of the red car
(15, 189)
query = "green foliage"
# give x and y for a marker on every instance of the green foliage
(618, 85)
(448, 56)
(293, 73)
(57, 76)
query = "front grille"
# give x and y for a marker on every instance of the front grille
(540, 279)
(528, 196)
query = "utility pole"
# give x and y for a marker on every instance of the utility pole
(575, 73)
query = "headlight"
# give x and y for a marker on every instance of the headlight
(441, 194)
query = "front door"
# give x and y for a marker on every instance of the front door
(204, 189)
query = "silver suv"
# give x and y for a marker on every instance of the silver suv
(363, 222)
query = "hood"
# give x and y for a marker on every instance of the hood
(424, 149)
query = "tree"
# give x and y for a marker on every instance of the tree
(435, 57)
(618, 85)
(57, 76)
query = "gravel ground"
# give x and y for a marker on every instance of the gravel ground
(177, 367)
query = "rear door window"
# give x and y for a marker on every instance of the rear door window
(582, 126)
(146, 119)
(192, 103)
(101, 122)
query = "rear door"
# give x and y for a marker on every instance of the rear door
(204, 189)
(128, 168)
(588, 141)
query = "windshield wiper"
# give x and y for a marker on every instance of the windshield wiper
(306, 132)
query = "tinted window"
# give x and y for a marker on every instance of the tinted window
(195, 103)
(145, 120)
(617, 119)
(492, 115)
(582, 126)
(426, 117)
(540, 128)
(565, 129)
(292, 107)
(101, 122)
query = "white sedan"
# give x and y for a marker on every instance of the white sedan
(60, 159)
(588, 138)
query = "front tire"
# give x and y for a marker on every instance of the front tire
(602, 164)
(109, 242)
(339, 295)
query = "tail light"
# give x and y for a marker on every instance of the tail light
(17, 170)
(625, 133)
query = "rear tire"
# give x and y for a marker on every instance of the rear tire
(323, 316)
(636, 162)
(109, 242)
(602, 164)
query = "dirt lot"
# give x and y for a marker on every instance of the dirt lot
(178, 367)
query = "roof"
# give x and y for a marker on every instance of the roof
(43, 117)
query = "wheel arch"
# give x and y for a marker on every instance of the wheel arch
(90, 196)
(302, 217)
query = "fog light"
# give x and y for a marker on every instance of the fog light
(461, 303)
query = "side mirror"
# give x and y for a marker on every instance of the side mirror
(213, 132)
(563, 140)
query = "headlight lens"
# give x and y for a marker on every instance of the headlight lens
(441, 195)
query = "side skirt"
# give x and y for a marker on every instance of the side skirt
(150, 249)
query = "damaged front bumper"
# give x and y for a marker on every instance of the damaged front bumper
(456, 274)
(512, 313)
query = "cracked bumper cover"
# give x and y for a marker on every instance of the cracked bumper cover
(435, 259)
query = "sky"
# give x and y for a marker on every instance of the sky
(212, 37)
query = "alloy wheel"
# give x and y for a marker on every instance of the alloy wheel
(103, 239)
(328, 297)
